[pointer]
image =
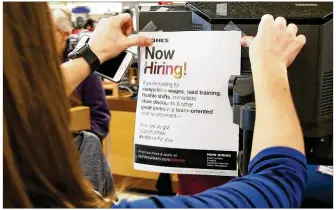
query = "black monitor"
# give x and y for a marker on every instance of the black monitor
(310, 75)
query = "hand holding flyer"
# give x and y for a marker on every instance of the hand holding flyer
(183, 118)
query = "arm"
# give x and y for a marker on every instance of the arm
(276, 103)
(93, 95)
(271, 52)
(109, 39)
(276, 180)
(74, 72)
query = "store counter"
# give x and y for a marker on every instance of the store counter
(79, 118)
(122, 134)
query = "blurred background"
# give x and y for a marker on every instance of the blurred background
(84, 17)
(84, 11)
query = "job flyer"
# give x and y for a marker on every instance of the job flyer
(183, 116)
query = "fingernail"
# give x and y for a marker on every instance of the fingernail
(148, 41)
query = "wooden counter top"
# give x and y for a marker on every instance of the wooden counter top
(121, 156)
(122, 127)
(126, 105)
(79, 118)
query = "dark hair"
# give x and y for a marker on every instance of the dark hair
(89, 22)
(40, 165)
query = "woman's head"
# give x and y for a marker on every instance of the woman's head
(40, 160)
(63, 28)
(89, 25)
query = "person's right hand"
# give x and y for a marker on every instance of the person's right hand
(112, 36)
(275, 43)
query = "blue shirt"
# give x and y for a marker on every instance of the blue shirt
(276, 179)
(319, 186)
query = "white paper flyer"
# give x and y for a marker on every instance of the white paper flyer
(183, 118)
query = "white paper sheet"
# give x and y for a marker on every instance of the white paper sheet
(162, 9)
(183, 117)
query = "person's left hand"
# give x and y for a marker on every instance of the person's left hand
(112, 36)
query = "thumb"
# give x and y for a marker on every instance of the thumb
(137, 40)
(246, 41)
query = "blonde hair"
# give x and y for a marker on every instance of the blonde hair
(62, 19)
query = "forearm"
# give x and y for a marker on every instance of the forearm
(276, 122)
(110, 38)
(74, 72)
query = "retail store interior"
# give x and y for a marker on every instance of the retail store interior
(104, 109)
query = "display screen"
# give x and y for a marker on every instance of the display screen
(110, 67)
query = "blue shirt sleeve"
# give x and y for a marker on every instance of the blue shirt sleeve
(319, 186)
(276, 179)
(93, 96)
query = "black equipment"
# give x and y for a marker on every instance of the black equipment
(310, 75)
